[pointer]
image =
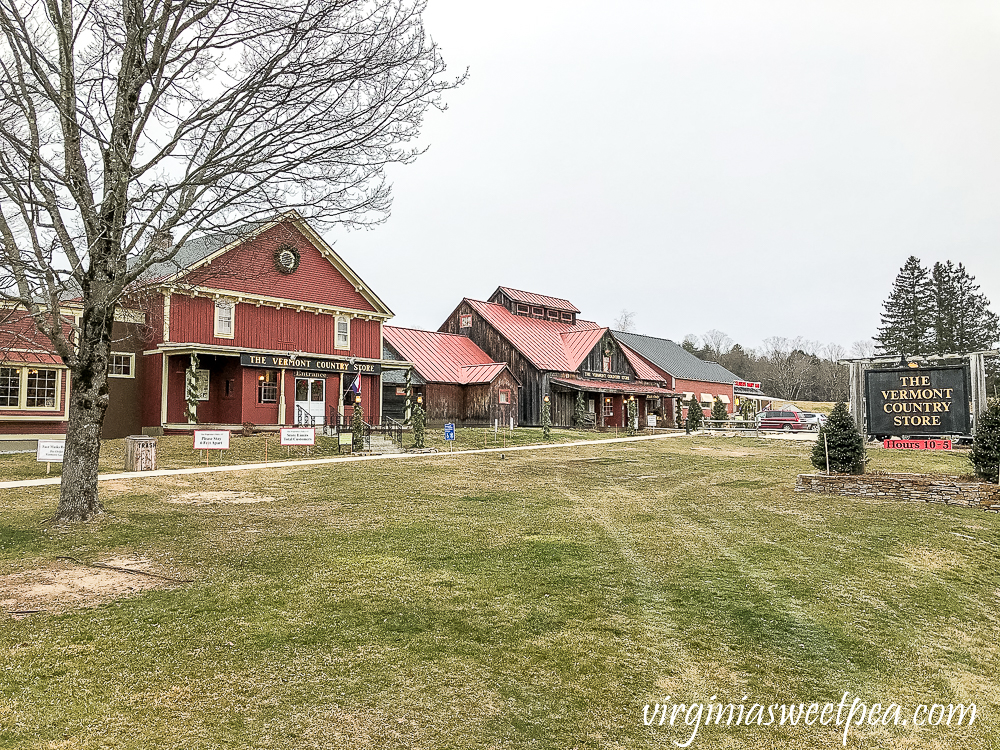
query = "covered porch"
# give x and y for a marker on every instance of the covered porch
(606, 403)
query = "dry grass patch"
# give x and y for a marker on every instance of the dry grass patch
(221, 497)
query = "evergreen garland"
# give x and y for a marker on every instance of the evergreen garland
(678, 413)
(985, 455)
(719, 412)
(358, 428)
(633, 411)
(418, 419)
(191, 389)
(546, 419)
(844, 442)
(579, 411)
(696, 417)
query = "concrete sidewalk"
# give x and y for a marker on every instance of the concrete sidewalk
(340, 459)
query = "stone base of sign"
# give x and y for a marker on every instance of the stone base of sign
(913, 488)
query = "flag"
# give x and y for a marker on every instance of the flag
(356, 385)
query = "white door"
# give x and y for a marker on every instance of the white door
(310, 398)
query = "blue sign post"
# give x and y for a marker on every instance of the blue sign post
(449, 433)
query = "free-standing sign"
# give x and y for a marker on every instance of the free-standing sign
(50, 451)
(919, 445)
(918, 401)
(211, 440)
(298, 436)
(449, 431)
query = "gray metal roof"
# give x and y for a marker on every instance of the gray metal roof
(200, 248)
(680, 363)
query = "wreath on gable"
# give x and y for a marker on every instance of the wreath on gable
(286, 258)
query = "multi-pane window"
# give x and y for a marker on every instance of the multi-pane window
(10, 386)
(504, 396)
(343, 332)
(465, 321)
(609, 407)
(267, 387)
(224, 313)
(121, 365)
(41, 389)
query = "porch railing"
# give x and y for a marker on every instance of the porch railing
(303, 418)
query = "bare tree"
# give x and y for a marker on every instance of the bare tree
(863, 349)
(716, 343)
(120, 121)
(625, 321)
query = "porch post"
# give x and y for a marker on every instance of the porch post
(281, 397)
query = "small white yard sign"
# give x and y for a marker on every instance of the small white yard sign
(211, 440)
(298, 436)
(50, 451)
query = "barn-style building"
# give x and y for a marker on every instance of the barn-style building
(459, 383)
(275, 325)
(552, 352)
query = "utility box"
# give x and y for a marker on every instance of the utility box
(140, 453)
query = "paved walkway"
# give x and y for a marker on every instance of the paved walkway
(339, 459)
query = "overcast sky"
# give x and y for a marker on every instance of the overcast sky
(761, 168)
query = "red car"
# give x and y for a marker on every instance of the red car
(782, 420)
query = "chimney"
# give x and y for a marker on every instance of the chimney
(162, 242)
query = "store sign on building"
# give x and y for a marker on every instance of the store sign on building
(925, 401)
(618, 377)
(309, 364)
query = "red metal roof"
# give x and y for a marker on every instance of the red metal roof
(33, 358)
(541, 300)
(644, 370)
(548, 344)
(604, 387)
(443, 357)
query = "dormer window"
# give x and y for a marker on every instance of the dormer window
(553, 315)
(225, 313)
(523, 310)
(538, 312)
(567, 317)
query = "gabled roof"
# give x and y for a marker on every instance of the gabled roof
(201, 251)
(644, 369)
(443, 357)
(540, 300)
(671, 358)
(547, 344)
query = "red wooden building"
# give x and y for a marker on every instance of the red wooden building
(277, 326)
(458, 381)
(552, 352)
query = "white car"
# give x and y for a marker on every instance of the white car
(814, 420)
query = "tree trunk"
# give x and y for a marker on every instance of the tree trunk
(78, 499)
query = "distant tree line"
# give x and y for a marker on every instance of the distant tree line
(786, 368)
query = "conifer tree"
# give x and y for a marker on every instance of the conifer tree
(985, 455)
(844, 442)
(579, 410)
(696, 417)
(358, 428)
(546, 418)
(419, 421)
(907, 321)
(678, 413)
(974, 326)
(719, 412)
(633, 412)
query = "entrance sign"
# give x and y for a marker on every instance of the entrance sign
(920, 445)
(50, 451)
(298, 436)
(449, 431)
(211, 440)
(309, 364)
(918, 401)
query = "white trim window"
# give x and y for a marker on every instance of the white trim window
(121, 365)
(343, 332)
(34, 388)
(10, 387)
(225, 319)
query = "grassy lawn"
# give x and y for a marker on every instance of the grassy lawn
(538, 600)
(175, 451)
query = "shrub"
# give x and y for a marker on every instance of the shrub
(418, 418)
(844, 442)
(985, 456)
(719, 412)
(696, 417)
(358, 428)
(579, 411)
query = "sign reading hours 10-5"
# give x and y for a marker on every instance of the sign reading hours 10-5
(918, 401)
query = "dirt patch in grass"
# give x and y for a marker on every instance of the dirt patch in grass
(923, 558)
(723, 452)
(63, 584)
(222, 497)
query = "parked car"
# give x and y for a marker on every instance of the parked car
(781, 420)
(814, 420)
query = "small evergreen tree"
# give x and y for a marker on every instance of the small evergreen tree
(746, 409)
(579, 411)
(985, 456)
(633, 413)
(719, 412)
(678, 413)
(358, 428)
(908, 319)
(418, 418)
(546, 419)
(696, 417)
(844, 442)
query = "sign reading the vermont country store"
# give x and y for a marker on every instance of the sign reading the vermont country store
(917, 401)
(310, 364)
